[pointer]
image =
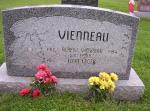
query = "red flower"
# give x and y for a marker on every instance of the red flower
(42, 67)
(54, 79)
(47, 80)
(49, 73)
(131, 8)
(40, 75)
(36, 92)
(24, 92)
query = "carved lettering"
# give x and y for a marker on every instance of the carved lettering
(83, 36)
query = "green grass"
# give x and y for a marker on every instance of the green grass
(66, 102)
(76, 102)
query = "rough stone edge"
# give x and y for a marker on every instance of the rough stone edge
(131, 90)
(69, 6)
(142, 14)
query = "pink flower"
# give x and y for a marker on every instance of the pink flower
(49, 73)
(42, 67)
(40, 75)
(24, 92)
(36, 92)
(54, 79)
(47, 80)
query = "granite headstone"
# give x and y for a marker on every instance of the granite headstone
(143, 9)
(74, 41)
(81, 2)
(144, 5)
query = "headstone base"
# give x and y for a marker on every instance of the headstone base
(129, 90)
(142, 14)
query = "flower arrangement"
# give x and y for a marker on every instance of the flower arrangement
(44, 83)
(101, 87)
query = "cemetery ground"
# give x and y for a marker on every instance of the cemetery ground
(77, 102)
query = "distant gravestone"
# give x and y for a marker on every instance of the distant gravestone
(143, 9)
(75, 42)
(144, 5)
(81, 2)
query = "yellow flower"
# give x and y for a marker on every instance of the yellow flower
(102, 87)
(114, 76)
(105, 81)
(112, 86)
(104, 76)
(103, 84)
(93, 81)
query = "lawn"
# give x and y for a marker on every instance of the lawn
(76, 102)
